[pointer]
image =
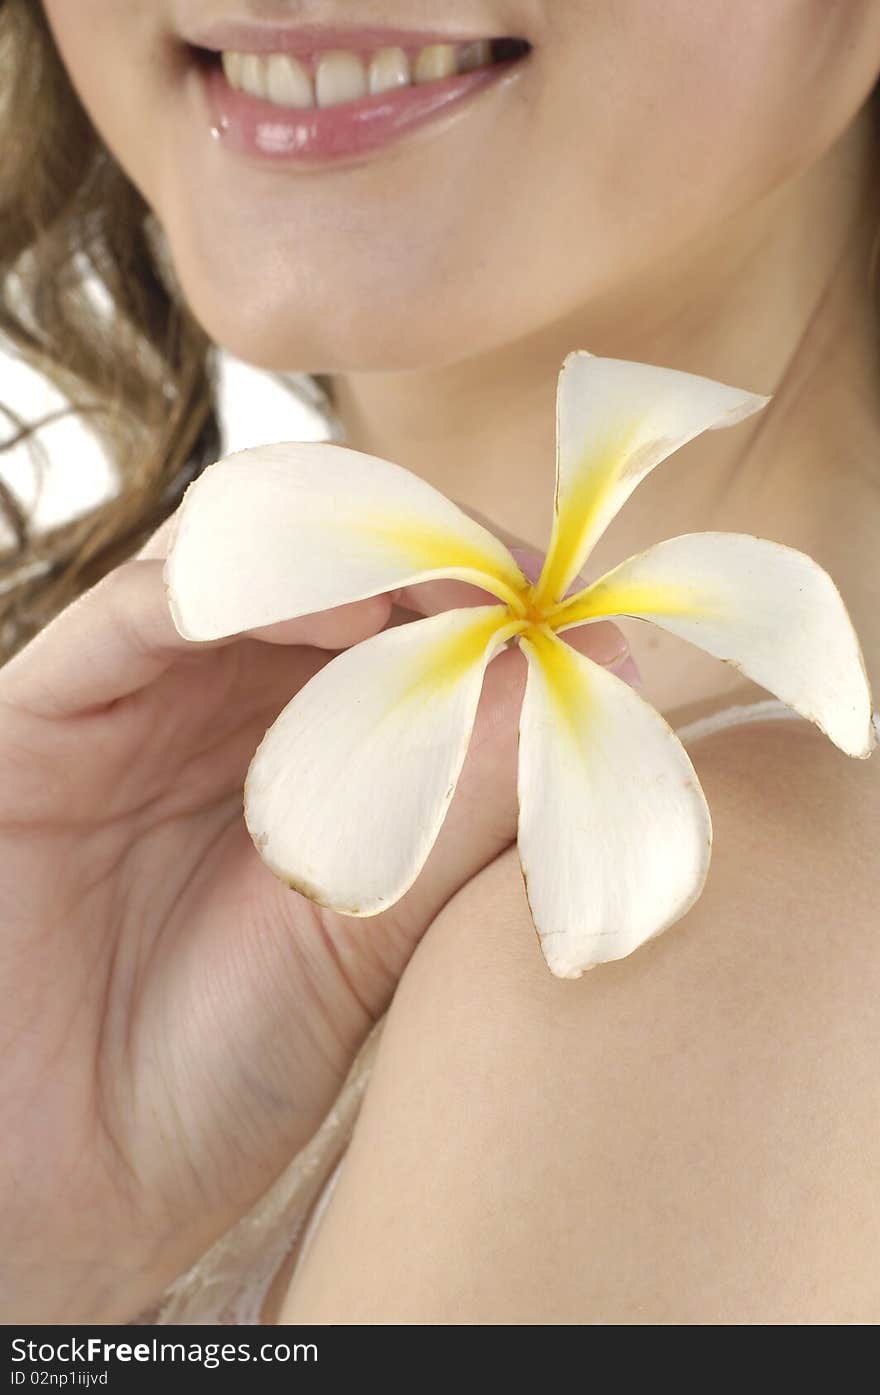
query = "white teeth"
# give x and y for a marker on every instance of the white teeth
(475, 55)
(232, 68)
(252, 75)
(433, 62)
(389, 68)
(288, 82)
(340, 77)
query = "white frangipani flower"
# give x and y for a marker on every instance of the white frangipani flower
(348, 789)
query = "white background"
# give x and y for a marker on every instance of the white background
(254, 409)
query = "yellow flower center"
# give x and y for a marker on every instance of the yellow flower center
(528, 614)
(535, 610)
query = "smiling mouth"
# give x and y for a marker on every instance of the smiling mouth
(307, 98)
(335, 75)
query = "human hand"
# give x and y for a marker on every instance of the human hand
(176, 1021)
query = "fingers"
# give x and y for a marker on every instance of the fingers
(119, 636)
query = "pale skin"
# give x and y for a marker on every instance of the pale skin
(687, 1136)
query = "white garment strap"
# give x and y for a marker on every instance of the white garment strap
(740, 714)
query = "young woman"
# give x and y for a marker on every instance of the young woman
(687, 1136)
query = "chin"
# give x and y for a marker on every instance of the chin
(287, 334)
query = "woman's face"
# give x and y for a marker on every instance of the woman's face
(631, 128)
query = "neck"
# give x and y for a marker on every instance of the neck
(775, 301)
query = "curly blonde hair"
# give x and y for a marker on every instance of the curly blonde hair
(88, 299)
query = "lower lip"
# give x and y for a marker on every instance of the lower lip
(313, 136)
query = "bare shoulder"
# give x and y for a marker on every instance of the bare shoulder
(688, 1136)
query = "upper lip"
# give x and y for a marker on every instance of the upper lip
(248, 36)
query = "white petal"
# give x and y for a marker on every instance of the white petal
(285, 530)
(770, 611)
(615, 421)
(346, 794)
(614, 832)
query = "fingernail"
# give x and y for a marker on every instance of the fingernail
(529, 561)
(628, 670)
(605, 643)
